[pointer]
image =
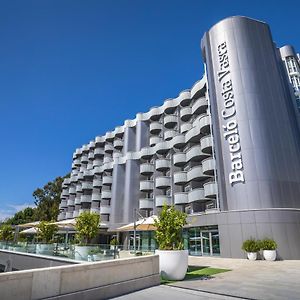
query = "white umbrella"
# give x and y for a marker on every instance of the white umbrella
(145, 224)
(31, 230)
(31, 224)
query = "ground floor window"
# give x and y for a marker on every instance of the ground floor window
(202, 241)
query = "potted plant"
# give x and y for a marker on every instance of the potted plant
(269, 249)
(45, 233)
(96, 254)
(173, 260)
(251, 246)
(87, 228)
(6, 235)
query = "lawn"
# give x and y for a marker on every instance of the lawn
(195, 272)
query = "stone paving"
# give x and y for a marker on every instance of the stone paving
(259, 280)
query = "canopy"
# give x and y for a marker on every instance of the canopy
(31, 224)
(145, 224)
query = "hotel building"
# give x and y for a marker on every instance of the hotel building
(226, 151)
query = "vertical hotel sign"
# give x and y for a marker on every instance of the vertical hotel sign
(228, 113)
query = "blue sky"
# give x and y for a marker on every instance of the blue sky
(71, 70)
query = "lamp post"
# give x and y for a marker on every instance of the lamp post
(135, 213)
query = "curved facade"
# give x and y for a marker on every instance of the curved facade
(225, 151)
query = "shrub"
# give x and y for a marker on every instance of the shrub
(46, 231)
(169, 228)
(114, 242)
(268, 244)
(251, 245)
(87, 227)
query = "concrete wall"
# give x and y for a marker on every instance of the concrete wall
(101, 280)
(25, 261)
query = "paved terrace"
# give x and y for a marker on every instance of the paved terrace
(247, 280)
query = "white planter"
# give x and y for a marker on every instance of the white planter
(269, 255)
(83, 252)
(173, 264)
(44, 249)
(252, 255)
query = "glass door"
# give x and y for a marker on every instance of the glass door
(206, 242)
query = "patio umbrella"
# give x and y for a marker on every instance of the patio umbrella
(31, 224)
(31, 230)
(145, 224)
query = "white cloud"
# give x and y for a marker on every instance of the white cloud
(11, 209)
(18, 207)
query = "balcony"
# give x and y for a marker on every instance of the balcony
(77, 200)
(179, 159)
(155, 127)
(82, 210)
(193, 135)
(107, 159)
(73, 178)
(71, 202)
(200, 106)
(95, 210)
(169, 134)
(80, 176)
(162, 182)
(178, 141)
(146, 203)
(146, 169)
(185, 127)
(185, 98)
(98, 152)
(106, 195)
(117, 154)
(155, 113)
(146, 185)
(105, 209)
(97, 183)
(162, 164)
(180, 178)
(66, 183)
(96, 197)
(88, 174)
(210, 189)
(109, 136)
(78, 188)
(61, 216)
(185, 113)
(91, 156)
(196, 174)
(63, 204)
(154, 140)
(75, 213)
(170, 121)
(160, 200)
(84, 159)
(72, 190)
(196, 195)
(87, 186)
(69, 215)
(162, 148)
(147, 153)
(181, 198)
(86, 198)
(118, 144)
(108, 148)
(208, 166)
(99, 141)
(195, 154)
(97, 163)
(205, 124)
(77, 162)
(206, 144)
(97, 171)
(107, 180)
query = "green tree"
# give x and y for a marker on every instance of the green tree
(46, 231)
(6, 233)
(169, 228)
(47, 199)
(87, 226)
(24, 216)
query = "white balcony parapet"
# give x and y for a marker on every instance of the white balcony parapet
(105, 209)
(106, 195)
(208, 166)
(185, 113)
(86, 198)
(196, 195)
(179, 159)
(146, 185)
(206, 144)
(107, 180)
(146, 203)
(96, 197)
(162, 164)
(180, 178)
(181, 198)
(196, 173)
(210, 189)
(162, 182)
(146, 169)
(160, 200)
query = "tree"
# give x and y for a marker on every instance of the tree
(169, 228)
(24, 216)
(87, 226)
(46, 231)
(6, 233)
(47, 199)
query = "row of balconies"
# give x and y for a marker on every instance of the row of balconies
(102, 210)
(197, 173)
(205, 194)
